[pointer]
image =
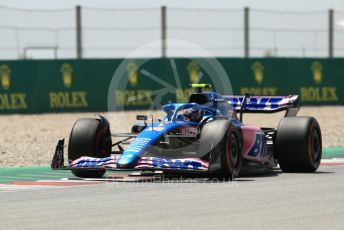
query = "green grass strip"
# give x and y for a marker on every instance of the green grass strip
(8, 175)
(334, 152)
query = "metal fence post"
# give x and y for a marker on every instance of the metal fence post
(78, 32)
(163, 32)
(247, 31)
(330, 32)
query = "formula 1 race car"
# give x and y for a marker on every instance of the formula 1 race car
(203, 136)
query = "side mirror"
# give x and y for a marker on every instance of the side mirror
(141, 117)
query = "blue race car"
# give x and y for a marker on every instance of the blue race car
(202, 136)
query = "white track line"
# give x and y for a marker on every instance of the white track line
(16, 188)
(332, 161)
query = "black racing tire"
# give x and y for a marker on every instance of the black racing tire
(230, 149)
(89, 138)
(298, 144)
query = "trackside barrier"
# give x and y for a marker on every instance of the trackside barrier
(43, 86)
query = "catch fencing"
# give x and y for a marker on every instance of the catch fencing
(85, 32)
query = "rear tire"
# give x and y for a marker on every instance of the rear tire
(298, 144)
(89, 138)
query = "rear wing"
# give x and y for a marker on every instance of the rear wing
(265, 104)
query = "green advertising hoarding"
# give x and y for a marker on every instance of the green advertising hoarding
(40, 86)
(317, 81)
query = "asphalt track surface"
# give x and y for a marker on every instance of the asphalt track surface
(274, 201)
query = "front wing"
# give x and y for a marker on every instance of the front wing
(144, 164)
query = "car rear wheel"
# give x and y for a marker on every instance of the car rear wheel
(298, 144)
(89, 138)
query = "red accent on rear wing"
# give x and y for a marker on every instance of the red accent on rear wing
(265, 104)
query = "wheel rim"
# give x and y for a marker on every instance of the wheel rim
(316, 146)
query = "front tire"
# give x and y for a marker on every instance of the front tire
(230, 150)
(298, 144)
(89, 138)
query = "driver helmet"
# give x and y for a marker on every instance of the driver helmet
(193, 114)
